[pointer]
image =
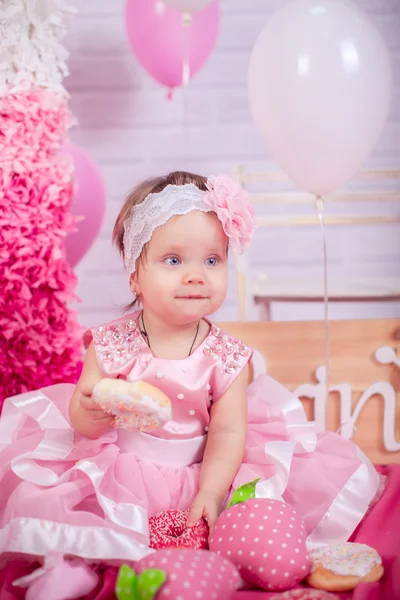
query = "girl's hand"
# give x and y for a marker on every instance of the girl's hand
(85, 415)
(94, 413)
(207, 505)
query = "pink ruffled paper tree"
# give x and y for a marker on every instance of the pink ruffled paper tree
(40, 338)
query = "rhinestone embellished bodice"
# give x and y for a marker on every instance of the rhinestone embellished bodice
(192, 384)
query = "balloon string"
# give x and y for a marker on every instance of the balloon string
(186, 21)
(320, 209)
(185, 118)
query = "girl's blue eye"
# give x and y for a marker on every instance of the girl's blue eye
(172, 260)
(212, 261)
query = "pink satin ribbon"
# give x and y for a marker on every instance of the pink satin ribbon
(36, 536)
(160, 451)
(350, 504)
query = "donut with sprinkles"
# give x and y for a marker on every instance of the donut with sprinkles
(341, 567)
(135, 405)
(305, 594)
(168, 530)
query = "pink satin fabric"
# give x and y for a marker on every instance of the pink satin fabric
(377, 530)
(63, 493)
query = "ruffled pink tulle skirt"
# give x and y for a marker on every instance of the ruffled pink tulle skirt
(61, 492)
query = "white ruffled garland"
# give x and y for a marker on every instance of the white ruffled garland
(31, 55)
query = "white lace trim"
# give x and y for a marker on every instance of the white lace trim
(31, 55)
(155, 211)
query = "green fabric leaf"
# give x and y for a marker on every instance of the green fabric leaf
(126, 584)
(247, 491)
(145, 586)
(149, 582)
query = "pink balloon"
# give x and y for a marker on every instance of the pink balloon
(158, 39)
(320, 87)
(89, 203)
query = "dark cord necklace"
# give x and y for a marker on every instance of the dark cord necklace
(146, 335)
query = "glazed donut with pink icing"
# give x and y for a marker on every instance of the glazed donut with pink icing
(136, 405)
(305, 594)
(342, 567)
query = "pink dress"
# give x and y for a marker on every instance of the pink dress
(61, 492)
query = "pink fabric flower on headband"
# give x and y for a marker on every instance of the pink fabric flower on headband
(233, 208)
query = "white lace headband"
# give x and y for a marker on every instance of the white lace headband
(223, 196)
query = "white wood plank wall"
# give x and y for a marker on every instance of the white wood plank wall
(132, 130)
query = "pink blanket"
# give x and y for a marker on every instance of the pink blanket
(381, 529)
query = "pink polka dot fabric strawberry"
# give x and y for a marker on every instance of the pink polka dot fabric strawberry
(192, 574)
(305, 594)
(168, 530)
(266, 540)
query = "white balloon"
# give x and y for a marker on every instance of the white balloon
(189, 6)
(320, 86)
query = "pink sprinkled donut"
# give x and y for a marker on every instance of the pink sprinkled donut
(168, 530)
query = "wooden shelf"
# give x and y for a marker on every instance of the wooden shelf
(340, 290)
